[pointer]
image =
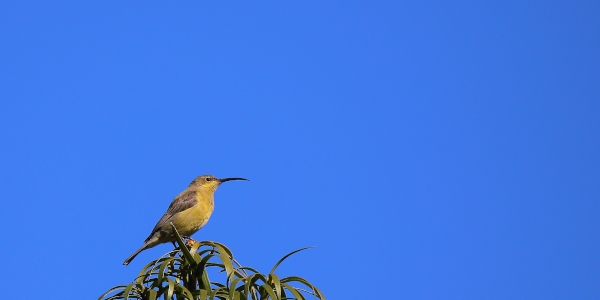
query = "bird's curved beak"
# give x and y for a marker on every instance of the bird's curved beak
(231, 178)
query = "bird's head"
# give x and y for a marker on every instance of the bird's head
(210, 182)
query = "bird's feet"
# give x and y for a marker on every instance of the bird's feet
(190, 242)
(186, 239)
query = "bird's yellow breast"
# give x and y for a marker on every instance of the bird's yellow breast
(191, 220)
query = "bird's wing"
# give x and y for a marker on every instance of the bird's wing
(182, 202)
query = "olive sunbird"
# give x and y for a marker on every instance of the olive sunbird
(189, 211)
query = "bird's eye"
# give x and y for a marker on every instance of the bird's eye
(208, 179)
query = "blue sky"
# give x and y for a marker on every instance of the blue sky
(430, 150)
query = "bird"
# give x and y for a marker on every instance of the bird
(189, 211)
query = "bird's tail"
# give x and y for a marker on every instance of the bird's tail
(130, 258)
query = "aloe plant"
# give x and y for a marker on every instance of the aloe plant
(183, 273)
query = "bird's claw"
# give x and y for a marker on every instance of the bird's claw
(190, 242)
(186, 239)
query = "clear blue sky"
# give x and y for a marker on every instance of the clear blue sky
(430, 150)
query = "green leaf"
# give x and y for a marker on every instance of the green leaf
(274, 282)
(171, 289)
(112, 290)
(183, 291)
(286, 256)
(251, 282)
(183, 247)
(151, 295)
(316, 291)
(232, 287)
(293, 290)
(269, 291)
(161, 270)
(203, 295)
(127, 290)
(185, 272)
